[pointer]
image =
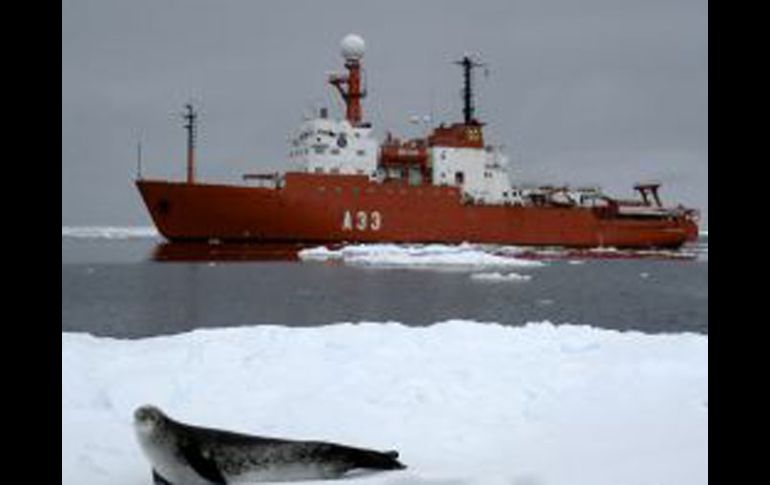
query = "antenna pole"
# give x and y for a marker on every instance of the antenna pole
(190, 117)
(468, 64)
(467, 90)
(139, 159)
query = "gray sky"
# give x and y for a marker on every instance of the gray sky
(604, 92)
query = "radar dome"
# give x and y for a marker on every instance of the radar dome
(353, 47)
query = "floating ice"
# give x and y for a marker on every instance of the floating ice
(108, 232)
(416, 256)
(500, 277)
(464, 403)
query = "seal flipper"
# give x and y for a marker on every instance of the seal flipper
(377, 460)
(157, 479)
(203, 466)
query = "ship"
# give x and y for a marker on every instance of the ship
(448, 186)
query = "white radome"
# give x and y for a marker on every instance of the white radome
(353, 47)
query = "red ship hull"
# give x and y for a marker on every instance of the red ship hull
(312, 208)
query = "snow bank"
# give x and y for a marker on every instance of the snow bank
(465, 403)
(108, 232)
(500, 277)
(416, 256)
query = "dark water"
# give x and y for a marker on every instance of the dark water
(115, 288)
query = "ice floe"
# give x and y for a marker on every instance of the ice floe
(500, 277)
(108, 232)
(417, 256)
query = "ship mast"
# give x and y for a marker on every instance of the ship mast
(191, 117)
(468, 65)
(352, 50)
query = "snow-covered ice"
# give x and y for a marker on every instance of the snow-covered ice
(465, 403)
(416, 256)
(108, 232)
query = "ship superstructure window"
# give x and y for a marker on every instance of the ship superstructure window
(459, 178)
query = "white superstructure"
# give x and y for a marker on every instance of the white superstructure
(482, 174)
(328, 146)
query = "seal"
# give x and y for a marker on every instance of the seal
(182, 454)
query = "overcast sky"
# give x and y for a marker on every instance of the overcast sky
(605, 92)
